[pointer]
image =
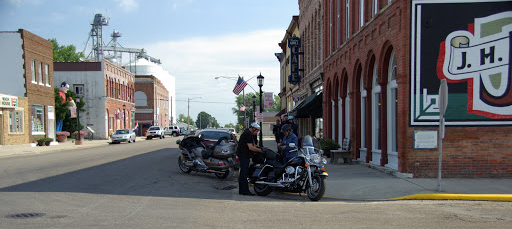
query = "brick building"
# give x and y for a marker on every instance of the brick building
(108, 91)
(383, 62)
(26, 91)
(151, 102)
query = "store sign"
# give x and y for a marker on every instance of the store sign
(7, 101)
(294, 45)
(474, 57)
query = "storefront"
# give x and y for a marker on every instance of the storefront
(13, 120)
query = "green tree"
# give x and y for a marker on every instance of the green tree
(277, 104)
(65, 53)
(183, 119)
(202, 120)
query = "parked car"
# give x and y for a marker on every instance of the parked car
(172, 130)
(210, 136)
(123, 135)
(155, 131)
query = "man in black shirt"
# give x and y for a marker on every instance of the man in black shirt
(246, 149)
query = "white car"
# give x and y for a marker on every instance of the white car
(123, 135)
(155, 131)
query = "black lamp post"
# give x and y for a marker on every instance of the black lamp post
(124, 114)
(260, 84)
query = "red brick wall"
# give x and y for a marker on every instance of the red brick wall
(467, 151)
(40, 50)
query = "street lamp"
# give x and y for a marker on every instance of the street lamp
(260, 84)
(124, 116)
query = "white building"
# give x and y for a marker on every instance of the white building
(145, 67)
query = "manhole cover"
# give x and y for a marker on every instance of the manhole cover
(24, 215)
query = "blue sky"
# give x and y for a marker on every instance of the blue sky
(196, 40)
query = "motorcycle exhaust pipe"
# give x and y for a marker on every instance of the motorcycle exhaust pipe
(271, 184)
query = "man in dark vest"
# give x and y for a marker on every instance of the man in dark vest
(246, 149)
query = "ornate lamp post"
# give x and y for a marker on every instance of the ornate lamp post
(124, 116)
(260, 84)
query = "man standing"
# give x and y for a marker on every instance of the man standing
(246, 149)
(277, 131)
(289, 137)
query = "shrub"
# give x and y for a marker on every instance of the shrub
(328, 144)
(44, 139)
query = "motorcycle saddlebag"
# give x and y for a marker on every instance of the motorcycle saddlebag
(224, 150)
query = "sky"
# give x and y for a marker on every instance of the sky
(196, 40)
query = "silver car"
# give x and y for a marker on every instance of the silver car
(123, 135)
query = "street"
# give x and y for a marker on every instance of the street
(139, 185)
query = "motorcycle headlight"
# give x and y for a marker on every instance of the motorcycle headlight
(324, 161)
(317, 159)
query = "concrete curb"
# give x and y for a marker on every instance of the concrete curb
(435, 196)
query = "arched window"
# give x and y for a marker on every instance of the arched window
(376, 107)
(141, 99)
(391, 113)
(347, 114)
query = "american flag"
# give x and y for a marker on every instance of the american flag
(240, 85)
(242, 107)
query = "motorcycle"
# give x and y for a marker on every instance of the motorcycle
(304, 173)
(220, 159)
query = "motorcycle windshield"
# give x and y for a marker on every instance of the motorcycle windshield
(310, 144)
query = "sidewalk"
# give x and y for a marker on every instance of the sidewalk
(362, 181)
(359, 181)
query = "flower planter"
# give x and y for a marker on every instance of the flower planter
(47, 143)
(40, 143)
(79, 141)
(62, 138)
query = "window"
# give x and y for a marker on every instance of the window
(46, 73)
(33, 70)
(347, 19)
(37, 119)
(16, 121)
(111, 123)
(363, 113)
(392, 105)
(40, 73)
(375, 8)
(376, 106)
(79, 90)
(361, 13)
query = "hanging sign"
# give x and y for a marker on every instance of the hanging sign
(294, 45)
(269, 100)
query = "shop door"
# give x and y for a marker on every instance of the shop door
(51, 122)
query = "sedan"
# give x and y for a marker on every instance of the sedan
(211, 136)
(123, 135)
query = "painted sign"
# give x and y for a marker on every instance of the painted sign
(473, 55)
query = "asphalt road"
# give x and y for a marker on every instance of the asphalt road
(139, 185)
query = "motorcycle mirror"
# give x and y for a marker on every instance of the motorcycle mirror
(292, 145)
(178, 141)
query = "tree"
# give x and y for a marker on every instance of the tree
(249, 107)
(205, 120)
(183, 119)
(66, 53)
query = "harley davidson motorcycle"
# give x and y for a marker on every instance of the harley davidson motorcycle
(220, 159)
(304, 173)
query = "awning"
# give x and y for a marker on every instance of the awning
(310, 107)
(281, 112)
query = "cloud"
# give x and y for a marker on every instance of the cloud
(127, 5)
(23, 2)
(196, 61)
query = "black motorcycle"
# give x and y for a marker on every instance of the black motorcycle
(304, 173)
(220, 159)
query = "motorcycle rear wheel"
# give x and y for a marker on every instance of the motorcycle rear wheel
(262, 189)
(222, 175)
(316, 190)
(182, 165)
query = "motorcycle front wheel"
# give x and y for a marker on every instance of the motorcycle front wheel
(183, 167)
(316, 190)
